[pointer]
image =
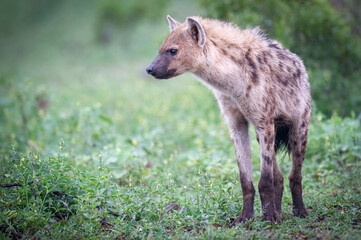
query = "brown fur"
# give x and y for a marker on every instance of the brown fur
(255, 80)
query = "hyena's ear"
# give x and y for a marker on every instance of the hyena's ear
(196, 30)
(173, 24)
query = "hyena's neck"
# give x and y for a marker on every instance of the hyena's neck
(223, 70)
(214, 81)
(229, 62)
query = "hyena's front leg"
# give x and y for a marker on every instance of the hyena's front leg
(239, 133)
(240, 137)
(266, 184)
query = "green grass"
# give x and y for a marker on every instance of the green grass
(112, 150)
(125, 191)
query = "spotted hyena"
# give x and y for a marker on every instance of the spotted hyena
(255, 81)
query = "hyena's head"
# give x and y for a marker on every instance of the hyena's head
(181, 50)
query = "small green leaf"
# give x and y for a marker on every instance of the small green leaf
(105, 119)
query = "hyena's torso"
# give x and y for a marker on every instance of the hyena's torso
(254, 71)
(255, 80)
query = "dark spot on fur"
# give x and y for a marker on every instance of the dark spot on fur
(214, 43)
(269, 133)
(303, 125)
(248, 90)
(265, 54)
(270, 94)
(259, 60)
(281, 56)
(305, 114)
(261, 68)
(234, 46)
(254, 77)
(304, 137)
(249, 59)
(224, 52)
(282, 80)
(251, 63)
(265, 182)
(269, 147)
(266, 105)
(267, 159)
(262, 120)
(278, 78)
(273, 45)
(234, 59)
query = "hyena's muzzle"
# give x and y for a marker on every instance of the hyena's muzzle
(159, 68)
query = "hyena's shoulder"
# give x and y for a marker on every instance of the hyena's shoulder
(288, 68)
(253, 46)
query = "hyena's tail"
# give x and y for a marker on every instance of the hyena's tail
(282, 138)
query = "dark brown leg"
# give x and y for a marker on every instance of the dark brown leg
(278, 184)
(267, 182)
(298, 142)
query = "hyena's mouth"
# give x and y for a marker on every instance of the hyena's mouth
(164, 75)
(168, 74)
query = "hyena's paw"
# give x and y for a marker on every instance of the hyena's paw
(271, 217)
(300, 212)
(241, 219)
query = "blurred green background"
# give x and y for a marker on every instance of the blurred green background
(79, 110)
(56, 56)
(76, 69)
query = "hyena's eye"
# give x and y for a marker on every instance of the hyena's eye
(173, 52)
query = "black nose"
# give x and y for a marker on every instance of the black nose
(150, 70)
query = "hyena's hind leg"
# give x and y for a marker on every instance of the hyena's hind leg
(277, 182)
(298, 142)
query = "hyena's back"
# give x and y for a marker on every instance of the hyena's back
(285, 95)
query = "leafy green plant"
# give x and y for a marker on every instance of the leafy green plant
(113, 14)
(38, 194)
(47, 197)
